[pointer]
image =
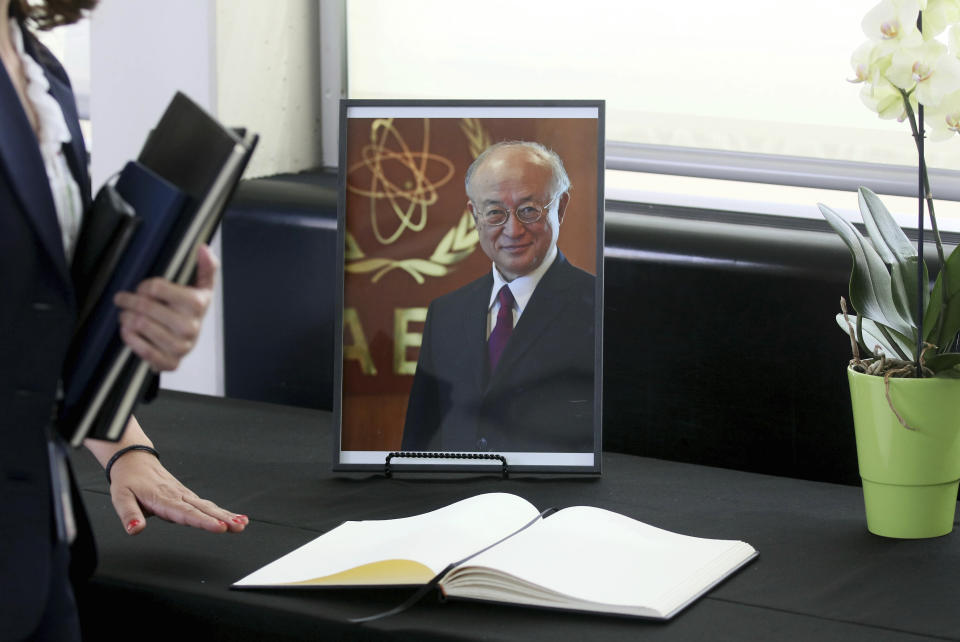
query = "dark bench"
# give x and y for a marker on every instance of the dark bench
(279, 240)
(721, 343)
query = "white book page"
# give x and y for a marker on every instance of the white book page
(434, 539)
(599, 556)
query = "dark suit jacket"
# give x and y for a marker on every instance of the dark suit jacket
(37, 317)
(540, 398)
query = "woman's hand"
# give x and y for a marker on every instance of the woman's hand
(140, 487)
(161, 320)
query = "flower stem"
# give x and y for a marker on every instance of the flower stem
(925, 194)
(893, 344)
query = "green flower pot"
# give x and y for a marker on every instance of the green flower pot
(910, 477)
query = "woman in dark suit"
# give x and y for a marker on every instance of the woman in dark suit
(44, 190)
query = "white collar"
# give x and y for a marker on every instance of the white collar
(522, 287)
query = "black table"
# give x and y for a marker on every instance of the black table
(820, 574)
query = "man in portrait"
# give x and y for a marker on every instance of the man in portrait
(507, 361)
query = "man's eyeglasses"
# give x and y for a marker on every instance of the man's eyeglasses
(527, 213)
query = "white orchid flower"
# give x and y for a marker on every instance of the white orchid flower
(938, 15)
(892, 20)
(885, 99)
(869, 61)
(860, 61)
(953, 40)
(926, 69)
(944, 119)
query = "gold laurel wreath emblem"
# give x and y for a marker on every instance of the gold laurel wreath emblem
(456, 245)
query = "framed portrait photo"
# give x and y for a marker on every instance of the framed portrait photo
(471, 297)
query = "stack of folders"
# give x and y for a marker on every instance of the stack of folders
(150, 222)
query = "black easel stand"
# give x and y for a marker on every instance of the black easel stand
(403, 454)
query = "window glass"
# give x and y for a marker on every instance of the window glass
(746, 76)
(749, 75)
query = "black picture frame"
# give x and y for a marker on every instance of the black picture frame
(513, 114)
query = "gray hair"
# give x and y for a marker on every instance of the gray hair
(560, 182)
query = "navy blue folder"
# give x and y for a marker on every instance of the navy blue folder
(159, 205)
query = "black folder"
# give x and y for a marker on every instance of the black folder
(178, 188)
(107, 229)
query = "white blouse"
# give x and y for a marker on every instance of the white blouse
(53, 135)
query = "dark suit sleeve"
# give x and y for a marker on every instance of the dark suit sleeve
(421, 430)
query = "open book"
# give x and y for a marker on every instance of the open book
(503, 550)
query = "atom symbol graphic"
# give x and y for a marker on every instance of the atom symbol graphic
(406, 179)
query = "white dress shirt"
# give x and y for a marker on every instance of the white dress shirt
(52, 136)
(521, 287)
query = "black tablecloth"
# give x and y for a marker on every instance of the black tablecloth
(820, 574)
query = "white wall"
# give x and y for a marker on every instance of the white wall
(139, 56)
(249, 63)
(268, 79)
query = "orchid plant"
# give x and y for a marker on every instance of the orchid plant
(910, 70)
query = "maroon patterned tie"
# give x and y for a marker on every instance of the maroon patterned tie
(504, 328)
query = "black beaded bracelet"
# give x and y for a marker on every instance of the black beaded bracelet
(123, 451)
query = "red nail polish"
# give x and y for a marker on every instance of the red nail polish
(133, 524)
(239, 519)
(222, 523)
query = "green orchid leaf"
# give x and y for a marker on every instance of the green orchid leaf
(895, 339)
(942, 362)
(951, 323)
(877, 220)
(904, 286)
(897, 251)
(873, 337)
(841, 321)
(871, 291)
